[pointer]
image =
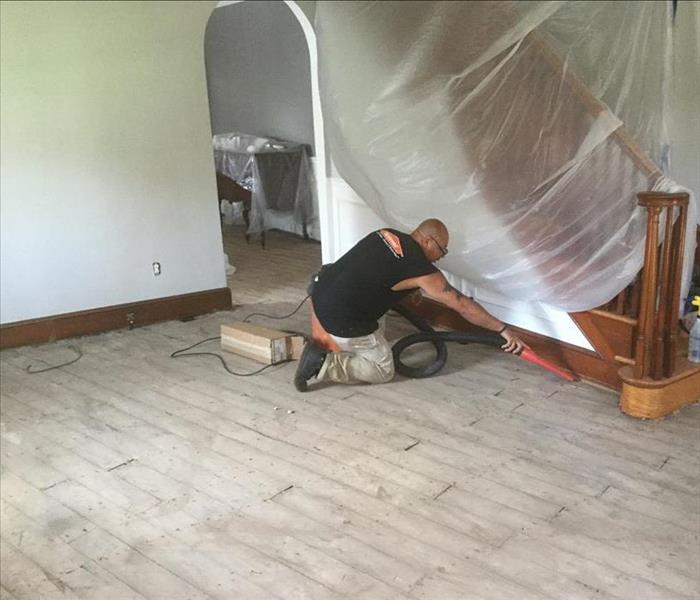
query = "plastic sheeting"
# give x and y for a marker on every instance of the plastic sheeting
(276, 172)
(505, 120)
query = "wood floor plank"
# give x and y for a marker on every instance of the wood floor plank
(620, 433)
(34, 470)
(637, 457)
(218, 547)
(73, 466)
(584, 404)
(151, 484)
(60, 521)
(161, 565)
(328, 427)
(363, 435)
(23, 579)
(594, 574)
(64, 567)
(292, 522)
(333, 577)
(660, 541)
(259, 528)
(171, 503)
(586, 459)
(5, 594)
(242, 443)
(111, 413)
(447, 575)
(686, 517)
(460, 443)
(516, 441)
(233, 448)
(322, 444)
(218, 489)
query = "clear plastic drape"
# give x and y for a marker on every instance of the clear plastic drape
(527, 127)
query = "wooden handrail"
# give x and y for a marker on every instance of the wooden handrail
(546, 46)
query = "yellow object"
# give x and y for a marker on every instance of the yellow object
(696, 301)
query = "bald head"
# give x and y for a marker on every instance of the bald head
(433, 237)
(434, 228)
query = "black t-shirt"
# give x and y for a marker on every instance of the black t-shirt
(355, 291)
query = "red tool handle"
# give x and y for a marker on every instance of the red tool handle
(530, 356)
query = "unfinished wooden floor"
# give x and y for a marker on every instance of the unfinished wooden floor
(133, 475)
(278, 273)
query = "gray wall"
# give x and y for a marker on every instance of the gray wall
(258, 72)
(106, 156)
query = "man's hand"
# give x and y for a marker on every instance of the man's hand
(513, 343)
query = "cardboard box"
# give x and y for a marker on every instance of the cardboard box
(264, 345)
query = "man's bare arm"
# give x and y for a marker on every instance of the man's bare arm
(438, 288)
(435, 286)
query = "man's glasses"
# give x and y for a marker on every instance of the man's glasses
(442, 250)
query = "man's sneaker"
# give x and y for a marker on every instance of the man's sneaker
(309, 365)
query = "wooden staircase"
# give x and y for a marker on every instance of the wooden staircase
(640, 329)
(639, 345)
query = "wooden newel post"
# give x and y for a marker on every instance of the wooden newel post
(656, 345)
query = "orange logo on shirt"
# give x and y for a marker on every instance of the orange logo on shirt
(392, 241)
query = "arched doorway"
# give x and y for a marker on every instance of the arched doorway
(262, 80)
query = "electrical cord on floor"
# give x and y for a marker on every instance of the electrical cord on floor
(185, 351)
(291, 314)
(180, 353)
(31, 371)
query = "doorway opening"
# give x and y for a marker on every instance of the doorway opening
(268, 147)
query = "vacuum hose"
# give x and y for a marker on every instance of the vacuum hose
(438, 339)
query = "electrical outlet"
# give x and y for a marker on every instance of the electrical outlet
(156, 269)
(130, 320)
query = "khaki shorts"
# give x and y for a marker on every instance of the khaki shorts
(365, 359)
